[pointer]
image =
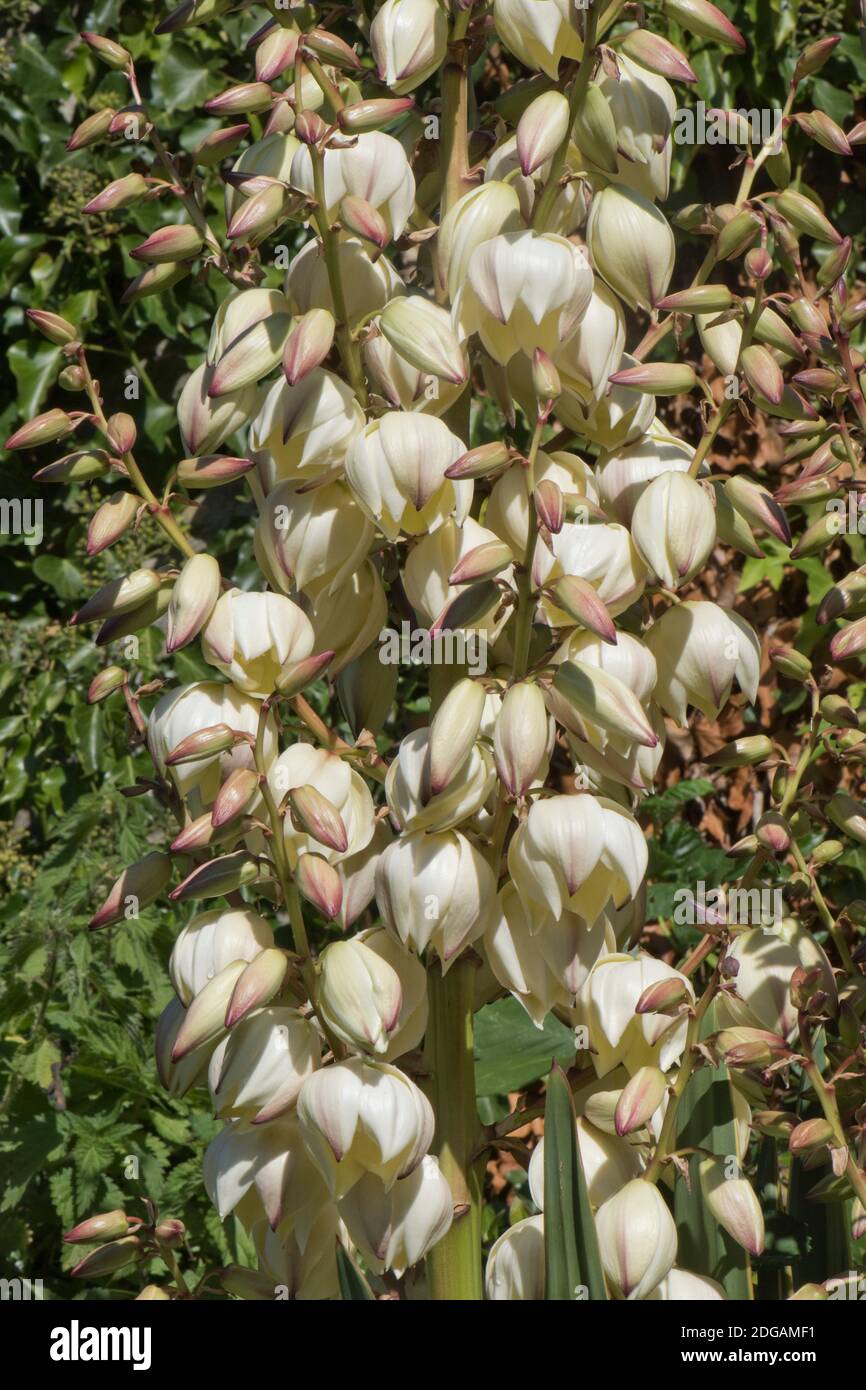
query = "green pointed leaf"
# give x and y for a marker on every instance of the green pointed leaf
(572, 1264)
(353, 1286)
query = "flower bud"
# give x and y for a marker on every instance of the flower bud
(806, 217)
(515, 1265)
(657, 378)
(637, 1239)
(107, 51)
(420, 331)
(478, 216)
(332, 49)
(108, 1259)
(604, 700)
(435, 891)
(703, 299)
(120, 193)
(762, 372)
(821, 128)
(849, 815)
(580, 600)
(360, 996)
(639, 1100)
(204, 1019)
(631, 245)
(42, 429)
(546, 382)
(674, 527)
(773, 833)
(308, 344)
(105, 684)
(178, 242)
(251, 356)
(595, 129)
(119, 596)
(136, 888)
(259, 214)
(91, 129)
(453, 732)
(234, 796)
(810, 1135)
(372, 114)
(121, 433)
(241, 99)
(56, 329)
(848, 641)
(110, 1225)
(154, 280)
(665, 996)
(313, 814)
(257, 985)
(749, 1047)
(520, 738)
(481, 462)
(203, 743)
(320, 883)
(733, 1203)
(658, 55)
(408, 39)
(814, 56)
(220, 143)
(393, 1229)
(742, 752)
(541, 130)
(482, 562)
(212, 470)
(700, 17)
(193, 597)
(818, 536)
(790, 663)
(217, 877)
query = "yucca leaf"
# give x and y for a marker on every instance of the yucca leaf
(353, 1286)
(571, 1260)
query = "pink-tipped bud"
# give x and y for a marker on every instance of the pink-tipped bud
(313, 814)
(177, 242)
(56, 329)
(702, 18)
(170, 1232)
(109, 1225)
(541, 130)
(468, 608)
(486, 461)
(361, 219)
(806, 217)
(240, 100)
(204, 743)
(276, 52)
(320, 883)
(824, 131)
(110, 521)
(749, 1047)
(295, 676)
(204, 1020)
(758, 506)
(482, 562)
(258, 984)
(42, 429)
(639, 1100)
(373, 114)
(308, 344)
(762, 372)
(657, 378)
(121, 433)
(742, 752)
(550, 505)
(111, 679)
(118, 596)
(193, 597)
(520, 738)
(137, 887)
(849, 641)
(91, 129)
(664, 997)
(220, 144)
(700, 299)
(258, 214)
(212, 470)
(332, 50)
(234, 796)
(79, 467)
(659, 55)
(758, 263)
(546, 383)
(108, 1259)
(453, 732)
(813, 58)
(774, 833)
(112, 54)
(155, 280)
(217, 878)
(252, 355)
(581, 602)
(811, 1134)
(605, 700)
(310, 129)
(733, 1203)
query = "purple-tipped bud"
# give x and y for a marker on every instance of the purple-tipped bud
(639, 1100)
(204, 743)
(295, 676)
(192, 601)
(155, 280)
(109, 1225)
(541, 130)
(42, 429)
(849, 641)
(217, 878)
(118, 596)
(453, 731)
(762, 372)
(363, 220)
(178, 242)
(219, 144)
(550, 505)
(664, 997)
(212, 470)
(110, 521)
(258, 984)
(308, 344)
(118, 194)
(241, 99)
(700, 299)
(332, 49)
(758, 506)
(258, 214)
(111, 679)
(56, 329)
(121, 433)
(108, 1259)
(486, 461)
(320, 883)
(91, 129)
(758, 263)
(373, 114)
(276, 52)
(234, 796)
(806, 217)
(204, 1020)
(137, 887)
(824, 131)
(309, 127)
(811, 1134)
(658, 55)
(813, 58)
(581, 602)
(482, 562)
(774, 833)
(313, 814)
(700, 17)
(170, 1232)
(252, 355)
(107, 51)
(657, 378)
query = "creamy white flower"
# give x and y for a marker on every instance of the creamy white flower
(507, 512)
(182, 712)
(303, 431)
(358, 877)
(643, 106)
(396, 469)
(569, 208)
(238, 312)
(515, 1265)
(304, 765)
(206, 421)
(258, 1071)
(273, 1161)
(481, 214)
(411, 1024)
(631, 245)
(637, 1239)
(407, 787)
(348, 617)
(191, 1070)
(720, 341)
(524, 290)
(603, 554)
(311, 539)
(608, 1164)
(395, 1227)
(212, 940)
(363, 1117)
(576, 853)
(538, 32)
(308, 1273)
(374, 168)
(700, 650)
(433, 559)
(618, 417)
(360, 996)
(367, 284)
(758, 996)
(623, 475)
(681, 1286)
(617, 1034)
(545, 967)
(592, 355)
(408, 39)
(251, 636)
(674, 527)
(435, 890)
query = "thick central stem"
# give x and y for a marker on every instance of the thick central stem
(454, 1264)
